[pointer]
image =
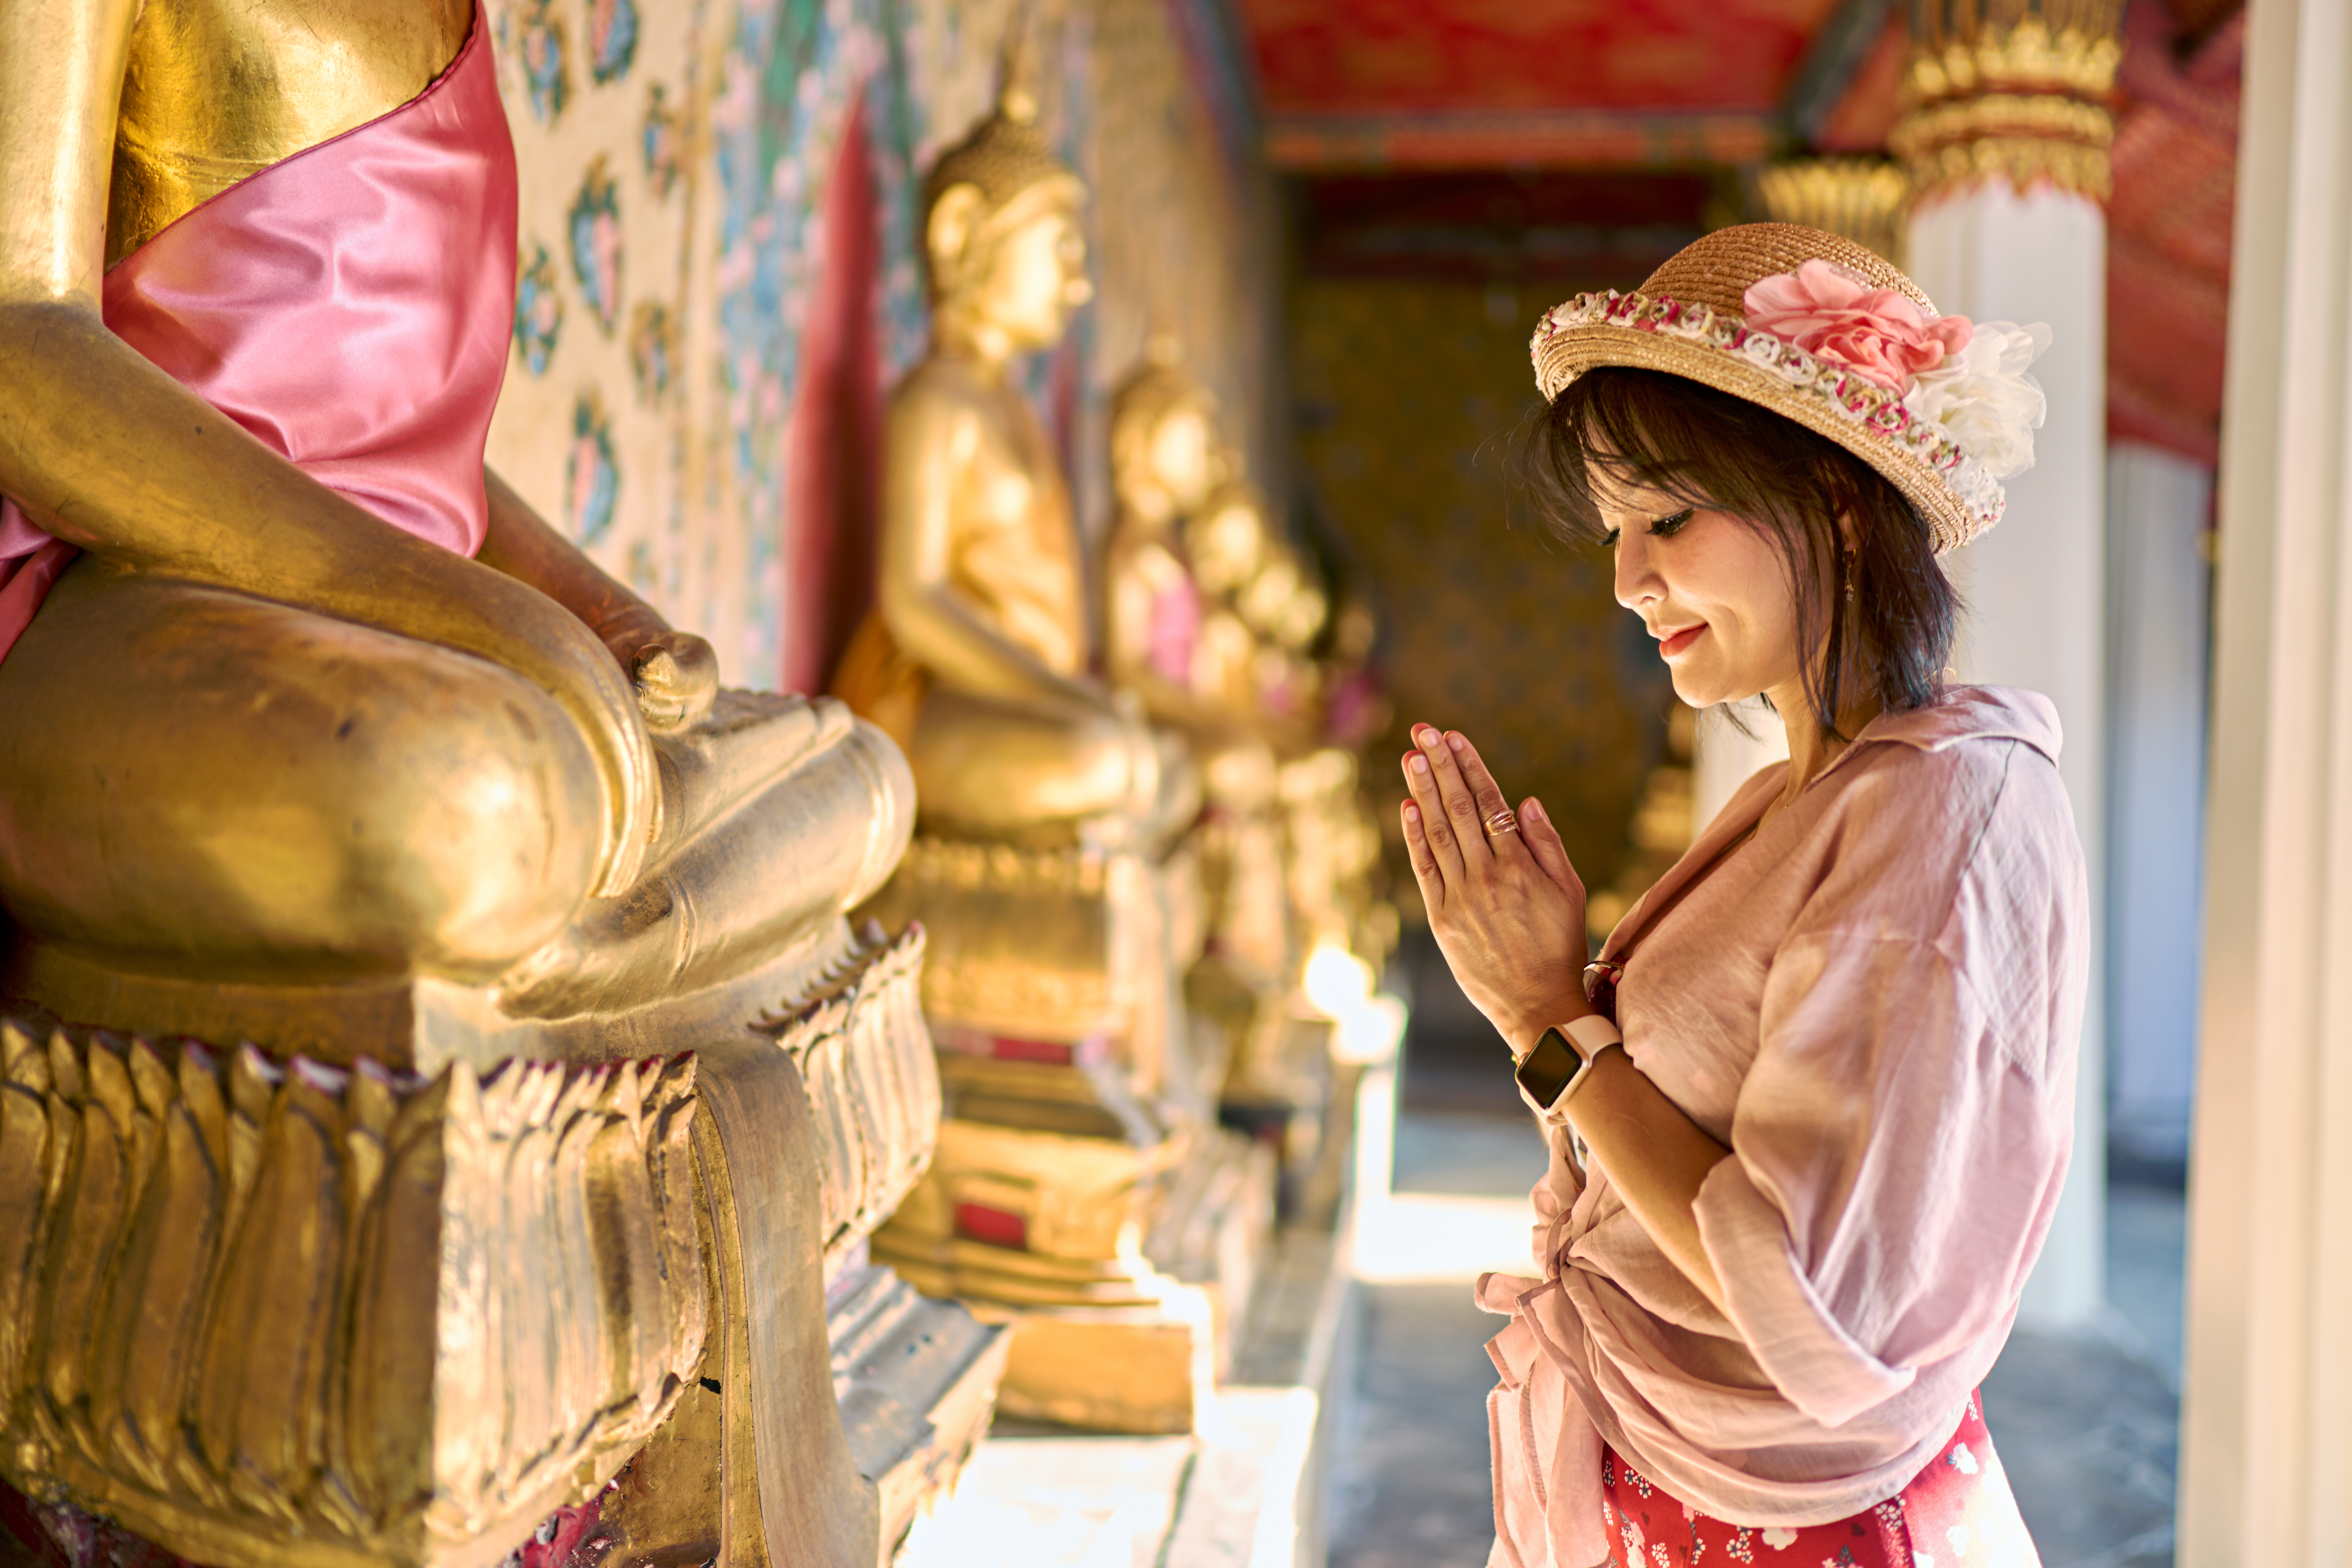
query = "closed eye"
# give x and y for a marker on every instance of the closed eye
(1660, 528)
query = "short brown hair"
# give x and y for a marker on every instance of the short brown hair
(1710, 449)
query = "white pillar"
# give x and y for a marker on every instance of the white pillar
(1722, 759)
(2266, 1419)
(2035, 587)
(2159, 588)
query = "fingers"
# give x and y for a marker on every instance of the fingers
(676, 675)
(1485, 795)
(1543, 843)
(1461, 809)
(1445, 846)
(1424, 860)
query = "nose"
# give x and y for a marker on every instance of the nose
(1638, 583)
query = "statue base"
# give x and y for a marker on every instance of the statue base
(283, 1314)
(1130, 1338)
(916, 1382)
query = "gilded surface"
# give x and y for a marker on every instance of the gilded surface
(300, 1315)
(1035, 944)
(414, 704)
(974, 657)
(1868, 200)
(865, 1053)
(2025, 98)
(215, 92)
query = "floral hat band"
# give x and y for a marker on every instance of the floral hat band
(1823, 332)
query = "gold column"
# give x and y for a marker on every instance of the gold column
(1867, 200)
(2014, 89)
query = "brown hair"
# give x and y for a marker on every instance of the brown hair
(1710, 449)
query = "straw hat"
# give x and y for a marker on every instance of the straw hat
(1690, 319)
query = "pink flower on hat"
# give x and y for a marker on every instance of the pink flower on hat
(1882, 333)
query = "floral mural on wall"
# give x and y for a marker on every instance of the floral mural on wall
(672, 161)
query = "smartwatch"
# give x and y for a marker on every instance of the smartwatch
(1556, 1061)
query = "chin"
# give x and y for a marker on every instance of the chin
(1695, 690)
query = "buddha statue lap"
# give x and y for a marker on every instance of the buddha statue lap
(1050, 869)
(523, 944)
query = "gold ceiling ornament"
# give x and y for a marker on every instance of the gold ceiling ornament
(2013, 90)
(1867, 200)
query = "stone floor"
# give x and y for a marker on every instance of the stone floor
(2085, 1422)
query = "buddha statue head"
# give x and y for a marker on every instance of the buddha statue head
(1008, 258)
(1226, 539)
(1283, 603)
(1164, 456)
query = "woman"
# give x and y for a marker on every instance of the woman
(1810, 1115)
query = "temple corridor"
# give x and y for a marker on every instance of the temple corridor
(756, 756)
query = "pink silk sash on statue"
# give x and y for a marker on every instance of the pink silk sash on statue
(350, 306)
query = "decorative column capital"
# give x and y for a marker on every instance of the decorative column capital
(1867, 200)
(2014, 89)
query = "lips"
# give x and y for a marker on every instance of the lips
(1673, 643)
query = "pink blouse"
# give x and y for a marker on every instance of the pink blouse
(1875, 1004)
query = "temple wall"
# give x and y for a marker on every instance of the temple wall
(675, 164)
(1411, 396)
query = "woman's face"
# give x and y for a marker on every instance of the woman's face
(1713, 590)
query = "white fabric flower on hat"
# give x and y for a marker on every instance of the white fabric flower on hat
(1983, 395)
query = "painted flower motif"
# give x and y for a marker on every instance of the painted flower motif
(1881, 334)
(544, 68)
(539, 308)
(611, 37)
(1985, 397)
(592, 480)
(594, 221)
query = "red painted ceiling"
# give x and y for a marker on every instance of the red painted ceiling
(1377, 58)
(2176, 161)
(1393, 63)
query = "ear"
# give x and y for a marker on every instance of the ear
(955, 217)
(1849, 529)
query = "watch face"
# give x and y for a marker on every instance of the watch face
(1544, 1071)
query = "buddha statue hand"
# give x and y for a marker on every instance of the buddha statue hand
(676, 675)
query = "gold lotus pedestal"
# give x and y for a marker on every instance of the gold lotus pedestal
(390, 1310)
(1081, 1191)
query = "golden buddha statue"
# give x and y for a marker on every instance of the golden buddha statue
(1225, 544)
(324, 742)
(975, 658)
(1080, 1156)
(1164, 463)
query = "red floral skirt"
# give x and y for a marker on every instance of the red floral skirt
(1957, 1513)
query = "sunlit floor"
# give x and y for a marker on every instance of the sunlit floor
(2084, 1423)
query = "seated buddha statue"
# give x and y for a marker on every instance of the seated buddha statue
(1164, 463)
(1052, 867)
(320, 738)
(304, 699)
(1284, 609)
(975, 658)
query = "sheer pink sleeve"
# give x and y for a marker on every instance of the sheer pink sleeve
(1899, 1145)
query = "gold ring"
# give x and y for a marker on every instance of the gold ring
(1502, 822)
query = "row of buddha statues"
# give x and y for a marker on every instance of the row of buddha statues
(1124, 852)
(470, 1083)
